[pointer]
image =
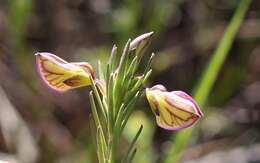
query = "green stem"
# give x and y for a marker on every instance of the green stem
(113, 110)
(209, 77)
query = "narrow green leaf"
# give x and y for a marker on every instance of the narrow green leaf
(131, 66)
(94, 109)
(147, 75)
(108, 72)
(100, 103)
(119, 116)
(123, 114)
(101, 146)
(129, 109)
(112, 58)
(109, 89)
(101, 141)
(138, 85)
(130, 149)
(116, 132)
(119, 76)
(125, 110)
(123, 60)
(129, 73)
(131, 156)
(149, 63)
(100, 71)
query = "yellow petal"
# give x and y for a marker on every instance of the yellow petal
(61, 75)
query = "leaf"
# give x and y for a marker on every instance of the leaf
(130, 149)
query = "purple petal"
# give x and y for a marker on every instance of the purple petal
(188, 97)
(139, 39)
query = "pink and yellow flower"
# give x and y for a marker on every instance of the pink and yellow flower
(61, 75)
(173, 110)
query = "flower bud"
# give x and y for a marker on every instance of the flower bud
(61, 75)
(173, 110)
(141, 41)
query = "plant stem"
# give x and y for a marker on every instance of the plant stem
(110, 108)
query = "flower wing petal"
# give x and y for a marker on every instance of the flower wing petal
(59, 74)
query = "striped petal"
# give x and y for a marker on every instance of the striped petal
(61, 75)
(173, 110)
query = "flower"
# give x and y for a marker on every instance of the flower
(144, 38)
(173, 110)
(61, 75)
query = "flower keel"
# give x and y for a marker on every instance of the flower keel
(173, 110)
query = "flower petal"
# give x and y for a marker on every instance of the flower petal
(140, 39)
(59, 74)
(173, 110)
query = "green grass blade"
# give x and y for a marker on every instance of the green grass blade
(132, 156)
(18, 17)
(130, 149)
(208, 78)
(211, 72)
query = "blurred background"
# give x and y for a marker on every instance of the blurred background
(38, 125)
